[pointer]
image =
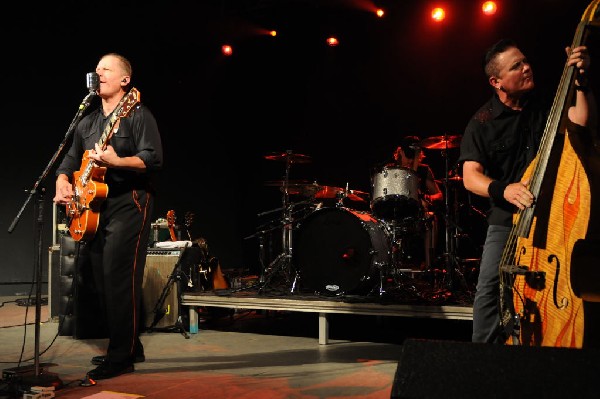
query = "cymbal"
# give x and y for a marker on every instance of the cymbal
(288, 157)
(441, 142)
(306, 190)
(357, 192)
(328, 192)
(354, 197)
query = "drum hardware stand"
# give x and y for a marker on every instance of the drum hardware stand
(396, 261)
(450, 260)
(283, 261)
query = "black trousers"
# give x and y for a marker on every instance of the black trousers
(117, 256)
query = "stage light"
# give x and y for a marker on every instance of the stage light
(332, 41)
(489, 7)
(380, 12)
(438, 14)
(273, 33)
(226, 49)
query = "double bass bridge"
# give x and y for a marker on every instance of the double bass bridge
(535, 279)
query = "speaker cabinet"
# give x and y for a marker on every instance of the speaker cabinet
(161, 285)
(80, 313)
(444, 369)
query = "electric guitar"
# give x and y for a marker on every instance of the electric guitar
(83, 211)
(171, 224)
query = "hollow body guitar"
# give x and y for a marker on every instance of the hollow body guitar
(90, 190)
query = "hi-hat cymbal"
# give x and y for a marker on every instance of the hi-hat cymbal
(288, 157)
(440, 142)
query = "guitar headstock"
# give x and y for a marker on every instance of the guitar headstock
(130, 100)
(189, 218)
(171, 224)
(171, 218)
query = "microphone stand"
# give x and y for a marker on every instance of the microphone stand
(40, 378)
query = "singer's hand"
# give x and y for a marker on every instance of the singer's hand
(64, 191)
(107, 157)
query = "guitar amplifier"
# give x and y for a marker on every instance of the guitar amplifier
(161, 264)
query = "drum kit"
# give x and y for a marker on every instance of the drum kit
(338, 241)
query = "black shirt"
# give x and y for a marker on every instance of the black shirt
(504, 142)
(137, 135)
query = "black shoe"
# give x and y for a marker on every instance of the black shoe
(98, 360)
(109, 370)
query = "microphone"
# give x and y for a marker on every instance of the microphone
(92, 81)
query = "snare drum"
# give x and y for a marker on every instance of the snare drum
(395, 194)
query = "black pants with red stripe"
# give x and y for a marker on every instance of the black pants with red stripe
(117, 256)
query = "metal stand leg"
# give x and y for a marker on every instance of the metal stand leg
(323, 329)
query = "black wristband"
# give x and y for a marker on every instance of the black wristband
(496, 190)
(583, 89)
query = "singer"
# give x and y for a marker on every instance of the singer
(116, 251)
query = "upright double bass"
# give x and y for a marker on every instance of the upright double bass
(549, 278)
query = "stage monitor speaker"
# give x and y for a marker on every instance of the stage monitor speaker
(445, 369)
(160, 265)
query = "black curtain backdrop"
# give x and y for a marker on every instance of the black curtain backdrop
(346, 107)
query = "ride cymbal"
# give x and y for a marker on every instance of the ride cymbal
(440, 142)
(288, 157)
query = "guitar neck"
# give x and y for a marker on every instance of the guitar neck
(122, 109)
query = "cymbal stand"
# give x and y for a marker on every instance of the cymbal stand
(283, 261)
(396, 261)
(450, 260)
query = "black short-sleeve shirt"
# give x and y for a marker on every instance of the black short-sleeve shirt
(504, 142)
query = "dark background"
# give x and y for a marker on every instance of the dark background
(346, 107)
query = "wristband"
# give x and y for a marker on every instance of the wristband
(583, 89)
(496, 190)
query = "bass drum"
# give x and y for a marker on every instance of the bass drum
(340, 251)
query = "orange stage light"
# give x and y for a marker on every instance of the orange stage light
(438, 14)
(489, 7)
(226, 49)
(380, 12)
(332, 41)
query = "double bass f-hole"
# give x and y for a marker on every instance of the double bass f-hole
(564, 301)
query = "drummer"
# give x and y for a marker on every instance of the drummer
(409, 155)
